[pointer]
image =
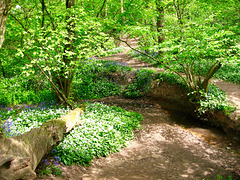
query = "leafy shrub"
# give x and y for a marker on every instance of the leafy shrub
(140, 85)
(95, 89)
(170, 78)
(214, 99)
(19, 90)
(105, 130)
(95, 79)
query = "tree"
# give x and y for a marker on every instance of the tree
(55, 44)
(5, 7)
(160, 20)
(200, 41)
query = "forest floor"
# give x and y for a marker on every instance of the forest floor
(166, 147)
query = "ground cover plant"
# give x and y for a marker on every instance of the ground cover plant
(22, 90)
(98, 78)
(140, 85)
(21, 119)
(105, 130)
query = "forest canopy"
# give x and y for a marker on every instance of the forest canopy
(47, 41)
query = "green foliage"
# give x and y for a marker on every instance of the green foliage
(97, 78)
(20, 90)
(95, 89)
(21, 119)
(49, 167)
(229, 72)
(140, 85)
(214, 99)
(50, 170)
(113, 51)
(105, 130)
(219, 177)
(171, 78)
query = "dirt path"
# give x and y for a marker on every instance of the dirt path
(164, 148)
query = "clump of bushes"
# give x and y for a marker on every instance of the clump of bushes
(95, 79)
(214, 99)
(21, 90)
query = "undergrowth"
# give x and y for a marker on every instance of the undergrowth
(105, 130)
(21, 90)
(140, 85)
(21, 119)
(228, 72)
(214, 99)
(97, 78)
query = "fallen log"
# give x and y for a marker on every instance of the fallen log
(20, 155)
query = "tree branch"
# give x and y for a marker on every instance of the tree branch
(104, 2)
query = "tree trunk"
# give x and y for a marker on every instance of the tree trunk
(215, 67)
(99, 12)
(64, 81)
(5, 6)
(160, 21)
(20, 155)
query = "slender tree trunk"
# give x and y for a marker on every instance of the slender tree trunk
(160, 21)
(5, 6)
(65, 80)
(43, 12)
(215, 67)
(99, 12)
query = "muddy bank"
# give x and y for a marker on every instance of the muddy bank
(175, 97)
